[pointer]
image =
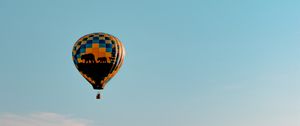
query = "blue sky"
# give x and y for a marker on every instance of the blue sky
(192, 62)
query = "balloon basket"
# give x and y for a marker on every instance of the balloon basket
(98, 96)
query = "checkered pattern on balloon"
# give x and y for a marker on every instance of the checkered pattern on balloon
(100, 51)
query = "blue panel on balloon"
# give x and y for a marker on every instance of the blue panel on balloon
(89, 42)
(89, 45)
(102, 41)
(82, 50)
(95, 39)
(102, 45)
(108, 45)
(108, 49)
(78, 56)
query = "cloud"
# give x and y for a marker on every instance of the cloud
(41, 119)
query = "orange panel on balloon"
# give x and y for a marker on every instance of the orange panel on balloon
(101, 54)
(102, 49)
(95, 45)
(88, 50)
(96, 52)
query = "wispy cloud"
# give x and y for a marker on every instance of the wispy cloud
(41, 119)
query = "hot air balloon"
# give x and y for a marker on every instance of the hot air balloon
(98, 57)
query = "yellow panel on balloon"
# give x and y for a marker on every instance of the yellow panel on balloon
(83, 42)
(79, 60)
(95, 45)
(102, 50)
(108, 41)
(96, 52)
(108, 54)
(88, 50)
(88, 78)
(101, 54)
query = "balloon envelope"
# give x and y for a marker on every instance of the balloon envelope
(98, 57)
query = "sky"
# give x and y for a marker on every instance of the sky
(188, 63)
